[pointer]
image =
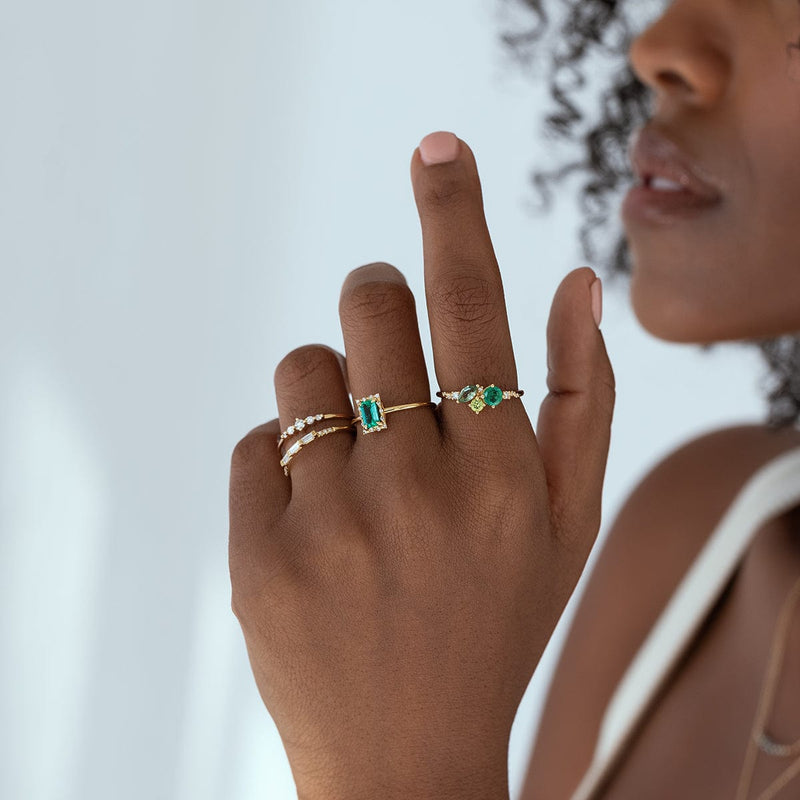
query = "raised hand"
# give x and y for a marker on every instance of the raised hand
(397, 589)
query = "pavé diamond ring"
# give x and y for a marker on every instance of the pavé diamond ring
(372, 414)
(477, 397)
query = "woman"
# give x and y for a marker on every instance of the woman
(398, 578)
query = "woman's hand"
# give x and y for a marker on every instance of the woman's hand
(397, 590)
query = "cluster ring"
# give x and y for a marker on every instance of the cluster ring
(478, 397)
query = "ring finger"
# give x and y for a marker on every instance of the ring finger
(384, 353)
(310, 382)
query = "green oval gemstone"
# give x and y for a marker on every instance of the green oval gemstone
(467, 394)
(493, 395)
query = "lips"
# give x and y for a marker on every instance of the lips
(670, 183)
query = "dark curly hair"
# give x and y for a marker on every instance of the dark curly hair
(603, 29)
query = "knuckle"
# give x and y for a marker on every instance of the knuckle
(609, 390)
(468, 299)
(253, 447)
(605, 390)
(301, 363)
(247, 601)
(375, 300)
(238, 604)
(447, 192)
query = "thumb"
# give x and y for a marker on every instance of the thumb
(574, 426)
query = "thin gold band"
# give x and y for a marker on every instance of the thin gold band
(311, 436)
(304, 422)
(372, 414)
(403, 407)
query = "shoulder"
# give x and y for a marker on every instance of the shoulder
(653, 539)
(695, 482)
(704, 474)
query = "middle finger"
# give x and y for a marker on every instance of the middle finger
(466, 304)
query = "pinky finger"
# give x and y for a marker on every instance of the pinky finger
(258, 495)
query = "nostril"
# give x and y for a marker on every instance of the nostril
(670, 79)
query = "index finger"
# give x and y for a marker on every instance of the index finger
(464, 291)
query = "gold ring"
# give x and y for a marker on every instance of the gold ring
(311, 436)
(477, 397)
(372, 414)
(305, 422)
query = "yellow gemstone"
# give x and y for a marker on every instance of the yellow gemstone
(477, 404)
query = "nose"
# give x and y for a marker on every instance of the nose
(680, 56)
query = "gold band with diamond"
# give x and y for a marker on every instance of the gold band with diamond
(478, 397)
(299, 424)
(372, 414)
(311, 436)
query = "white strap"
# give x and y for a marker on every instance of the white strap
(772, 490)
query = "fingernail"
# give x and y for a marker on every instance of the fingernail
(438, 148)
(597, 300)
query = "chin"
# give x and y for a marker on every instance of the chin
(671, 309)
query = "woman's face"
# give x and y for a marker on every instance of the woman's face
(720, 259)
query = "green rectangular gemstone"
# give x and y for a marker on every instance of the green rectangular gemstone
(370, 414)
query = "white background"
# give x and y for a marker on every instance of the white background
(183, 187)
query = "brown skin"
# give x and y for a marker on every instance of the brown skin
(693, 742)
(726, 89)
(397, 591)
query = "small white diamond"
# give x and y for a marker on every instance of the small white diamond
(295, 448)
(290, 430)
(309, 420)
(299, 424)
(307, 439)
(318, 417)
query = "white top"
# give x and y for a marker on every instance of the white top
(771, 491)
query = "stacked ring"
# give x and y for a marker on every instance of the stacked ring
(371, 415)
(478, 397)
(298, 445)
(299, 424)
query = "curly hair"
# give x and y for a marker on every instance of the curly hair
(578, 30)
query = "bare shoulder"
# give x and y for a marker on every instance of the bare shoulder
(655, 536)
(706, 471)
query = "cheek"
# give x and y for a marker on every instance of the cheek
(767, 233)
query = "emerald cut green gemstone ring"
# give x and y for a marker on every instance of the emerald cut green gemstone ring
(478, 397)
(372, 414)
